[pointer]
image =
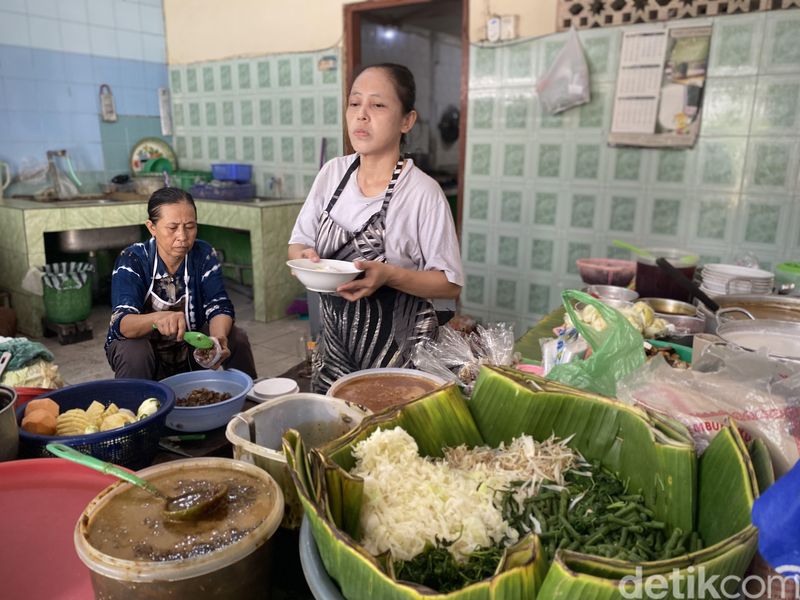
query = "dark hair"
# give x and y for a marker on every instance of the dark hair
(167, 195)
(403, 83)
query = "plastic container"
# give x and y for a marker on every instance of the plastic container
(653, 282)
(788, 273)
(239, 570)
(211, 416)
(186, 179)
(133, 446)
(225, 191)
(26, 394)
(232, 172)
(9, 436)
(318, 418)
(606, 271)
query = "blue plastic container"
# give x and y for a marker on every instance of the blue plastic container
(133, 446)
(211, 416)
(237, 172)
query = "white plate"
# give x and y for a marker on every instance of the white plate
(270, 388)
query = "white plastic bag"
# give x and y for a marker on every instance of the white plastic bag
(761, 395)
(566, 83)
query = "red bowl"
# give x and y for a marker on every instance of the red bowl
(606, 271)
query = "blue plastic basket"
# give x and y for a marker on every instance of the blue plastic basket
(227, 191)
(232, 172)
(133, 446)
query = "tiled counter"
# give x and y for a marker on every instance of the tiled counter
(23, 224)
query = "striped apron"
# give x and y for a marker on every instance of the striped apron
(377, 331)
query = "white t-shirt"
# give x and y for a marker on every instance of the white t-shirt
(420, 233)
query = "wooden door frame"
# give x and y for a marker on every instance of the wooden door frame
(352, 56)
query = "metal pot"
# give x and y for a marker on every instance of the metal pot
(778, 308)
(9, 435)
(780, 338)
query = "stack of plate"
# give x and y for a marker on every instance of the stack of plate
(721, 279)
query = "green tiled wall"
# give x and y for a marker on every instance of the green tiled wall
(542, 191)
(271, 111)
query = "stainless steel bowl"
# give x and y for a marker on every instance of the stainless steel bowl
(611, 292)
(667, 306)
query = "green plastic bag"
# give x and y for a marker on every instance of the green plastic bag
(616, 351)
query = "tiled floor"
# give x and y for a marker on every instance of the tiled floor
(276, 345)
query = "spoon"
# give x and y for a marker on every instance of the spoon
(198, 340)
(188, 506)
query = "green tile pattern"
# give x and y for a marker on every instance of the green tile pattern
(270, 111)
(544, 190)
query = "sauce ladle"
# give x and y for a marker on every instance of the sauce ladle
(188, 506)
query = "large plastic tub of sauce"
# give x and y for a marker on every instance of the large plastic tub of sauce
(133, 553)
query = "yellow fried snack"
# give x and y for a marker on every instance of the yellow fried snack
(95, 412)
(72, 422)
(111, 410)
(112, 422)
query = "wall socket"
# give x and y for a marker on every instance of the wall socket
(508, 27)
(493, 29)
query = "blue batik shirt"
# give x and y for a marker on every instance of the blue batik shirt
(133, 274)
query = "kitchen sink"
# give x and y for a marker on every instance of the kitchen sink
(104, 238)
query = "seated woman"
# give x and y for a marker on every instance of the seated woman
(164, 287)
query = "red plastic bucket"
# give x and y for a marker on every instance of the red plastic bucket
(25, 394)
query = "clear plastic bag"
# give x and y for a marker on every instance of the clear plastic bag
(761, 395)
(457, 357)
(207, 358)
(616, 350)
(566, 83)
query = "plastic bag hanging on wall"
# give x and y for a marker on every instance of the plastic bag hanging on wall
(566, 82)
(108, 111)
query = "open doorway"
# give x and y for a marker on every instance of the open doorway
(430, 38)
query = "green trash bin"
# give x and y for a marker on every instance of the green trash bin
(67, 291)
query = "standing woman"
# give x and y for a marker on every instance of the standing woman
(378, 209)
(164, 287)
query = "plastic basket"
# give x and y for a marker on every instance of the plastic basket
(228, 191)
(133, 446)
(232, 172)
(68, 305)
(186, 179)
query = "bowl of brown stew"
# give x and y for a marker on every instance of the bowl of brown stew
(133, 551)
(380, 389)
(206, 399)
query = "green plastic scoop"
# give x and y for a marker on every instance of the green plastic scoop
(687, 259)
(188, 506)
(198, 340)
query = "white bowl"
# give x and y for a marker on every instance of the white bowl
(271, 388)
(323, 276)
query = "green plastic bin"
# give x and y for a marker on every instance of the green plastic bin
(186, 179)
(67, 292)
